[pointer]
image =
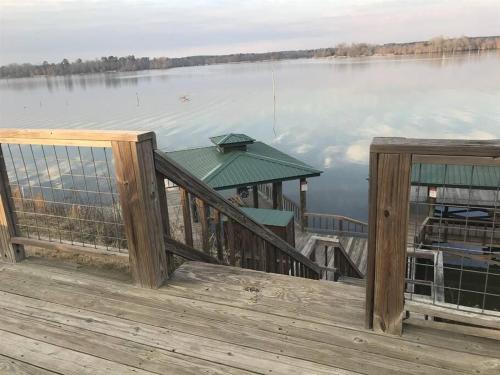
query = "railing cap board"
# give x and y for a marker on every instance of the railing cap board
(459, 147)
(74, 137)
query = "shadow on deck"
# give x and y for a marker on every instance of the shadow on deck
(62, 318)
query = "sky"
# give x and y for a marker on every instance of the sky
(34, 31)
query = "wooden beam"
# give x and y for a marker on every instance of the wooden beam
(138, 189)
(231, 241)
(218, 235)
(35, 136)
(67, 247)
(186, 216)
(303, 203)
(393, 190)
(187, 252)
(372, 236)
(255, 193)
(9, 252)
(203, 219)
(162, 198)
(450, 147)
(277, 195)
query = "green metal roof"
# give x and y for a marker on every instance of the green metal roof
(260, 163)
(461, 176)
(231, 139)
(266, 216)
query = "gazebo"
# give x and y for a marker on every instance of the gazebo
(238, 161)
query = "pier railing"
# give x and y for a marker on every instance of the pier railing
(433, 232)
(319, 222)
(104, 192)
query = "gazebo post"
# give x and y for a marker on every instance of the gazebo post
(278, 195)
(255, 193)
(303, 203)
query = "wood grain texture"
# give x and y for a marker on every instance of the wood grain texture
(186, 217)
(390, 253)
(9, 252)
(203, 218)
(277, 195)
(219, 319)
(372, 237)
(451, 147)
(35, 135)
(138, 189)
(67, 247)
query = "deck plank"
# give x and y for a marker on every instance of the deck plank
(206, 312)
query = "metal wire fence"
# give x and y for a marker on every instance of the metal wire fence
(453, 243)
(65, 194)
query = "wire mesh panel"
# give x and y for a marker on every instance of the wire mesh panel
(66, 194)
(453, 241)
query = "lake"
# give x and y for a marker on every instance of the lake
(326, 112)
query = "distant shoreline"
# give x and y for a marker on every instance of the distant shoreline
(130, 63)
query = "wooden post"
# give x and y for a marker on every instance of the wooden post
(203, 219)
(277, 195)
(218, 235)
(9, 252)
(139, 197)
(372, 219)
(162, 198)
(255, 193)
(303, 203)
(186, 216)
(231, 241)
(391, 221)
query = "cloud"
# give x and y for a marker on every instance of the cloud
(33, 31)
(358, 152)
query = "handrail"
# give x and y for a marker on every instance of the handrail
(176, 173)
(338, 217)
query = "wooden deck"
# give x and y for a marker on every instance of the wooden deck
(210, 320)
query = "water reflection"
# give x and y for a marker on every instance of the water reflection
(327, 110)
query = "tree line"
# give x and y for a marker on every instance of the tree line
(438, 45)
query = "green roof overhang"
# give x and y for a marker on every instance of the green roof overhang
(258, 164)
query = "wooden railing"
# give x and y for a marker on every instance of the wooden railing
(390, 273)
(335, 224)
(319, 222)
(247, 243)
(104, 192)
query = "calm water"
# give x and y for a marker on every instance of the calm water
(327, 110)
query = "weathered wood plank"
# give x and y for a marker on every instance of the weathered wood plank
(14, 367)
(67, 247)
(390, 253)
(59, 359)
(203, 218)
(277, 195)
(108, 347)
(450, 147)
(186, 217)
(9, 252)
(428, 345)
(35, 135)
(187, 252)
(138, 189)
(372, 238)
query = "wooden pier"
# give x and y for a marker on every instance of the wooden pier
(60, 318)
(151, 285)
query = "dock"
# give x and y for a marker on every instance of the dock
(103, 270)
(61, 318)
